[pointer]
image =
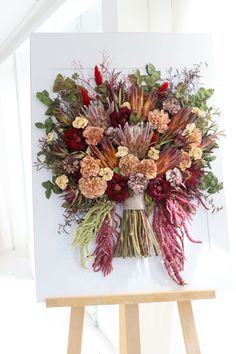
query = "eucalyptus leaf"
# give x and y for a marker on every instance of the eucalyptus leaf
(39, 125)
(59, 83)
(150, 68)
(44, 98)
(48, 193)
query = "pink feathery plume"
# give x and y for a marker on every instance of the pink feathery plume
(105, 243)
(170, 226)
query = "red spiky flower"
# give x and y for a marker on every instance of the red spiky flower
(85, 97)
(164, 87)
(98, 76)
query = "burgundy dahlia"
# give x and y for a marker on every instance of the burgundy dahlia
(74, 139)
(117, 188)
(120, 118)
(159, 189)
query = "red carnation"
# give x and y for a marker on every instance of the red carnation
(74, 139)
(85, 97)
(120, 118)
(159, 189)
(97, 76)
(164, 87)
(117, 188)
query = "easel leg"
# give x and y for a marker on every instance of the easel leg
(188, 327)
(129, 330)
(76, 330)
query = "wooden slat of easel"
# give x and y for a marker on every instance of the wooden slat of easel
(129, 316)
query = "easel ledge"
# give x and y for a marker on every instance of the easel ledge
(126, 299)
(129, 316)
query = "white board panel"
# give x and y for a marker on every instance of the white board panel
(58, 271)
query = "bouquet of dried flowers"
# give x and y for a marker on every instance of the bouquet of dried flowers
(135, 143)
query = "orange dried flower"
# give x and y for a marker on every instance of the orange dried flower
(129, 164)
(89, 167)
(93, 187)
(93, 135)
(159, 120)
(148, 168)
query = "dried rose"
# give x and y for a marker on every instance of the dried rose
(185, 161)
(122, 151)
(61, 182)
(80, 122)
(153, 153)
(106, 173)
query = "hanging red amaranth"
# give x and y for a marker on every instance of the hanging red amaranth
(98, 76)
(170, 220)
(105, 243)
(164, 87)
(85, 97)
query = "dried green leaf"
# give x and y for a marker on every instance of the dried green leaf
(39, 125)
(44, 98)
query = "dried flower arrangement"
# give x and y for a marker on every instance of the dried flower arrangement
(137, 141)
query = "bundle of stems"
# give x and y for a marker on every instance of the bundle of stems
(136, 238)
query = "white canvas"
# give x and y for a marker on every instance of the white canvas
(58, 269)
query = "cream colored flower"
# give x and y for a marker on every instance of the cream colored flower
(189, 129)
(122, 151)
(197, 111)
(196, 153)
(106, 173)
(195, 138)
(185, 161)
(126, 105)
(80, 122)
(153, 153)
(50, 138)
(62, 182)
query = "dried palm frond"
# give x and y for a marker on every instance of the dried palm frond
(106, 154)
(168, 159)
(149, 104)
(179, 122)
(136, 138)
(140, 103)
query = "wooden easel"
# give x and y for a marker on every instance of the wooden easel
(129, 316)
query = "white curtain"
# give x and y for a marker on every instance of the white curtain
(14, 156)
